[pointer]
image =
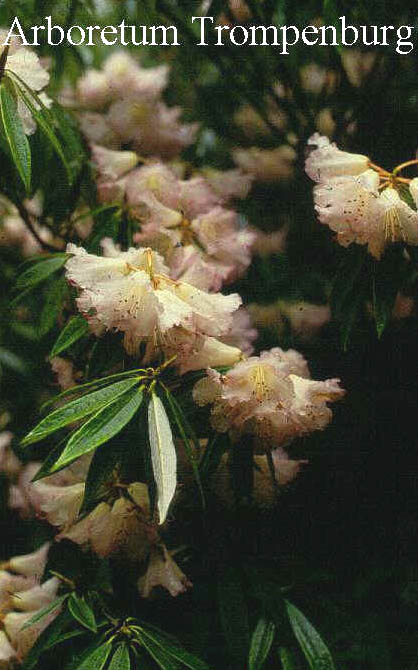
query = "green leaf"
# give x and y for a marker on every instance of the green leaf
(314, 648)
(388, 276)
(234, 614)
(53, 305)
(104, 425)
(82, 612)
(74, 330)
(160, 656)
(169, 646)
(120, 659)
(261, 642)
(40, 271)
(286, 659)
(163, 455)
(97, 659)
(212, 455)
(45, 610)
(79, 388)
(78, 409)
(184, 432)
(16, 138)
(33, 102)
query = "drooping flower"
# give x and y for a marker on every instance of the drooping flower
(64, 371)
(163, 571)
(26, 65)
(9, 462)
(326, 161)
(122, 527)
(270, 396)
(133, 293)
(121, 105)
(354, 208)
(187, 222)
(267, 165)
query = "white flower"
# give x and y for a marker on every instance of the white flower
(133, 293)
(26, 65)
(9, 462)
(163, 571)
(122, 527)
(37, 597)
(111, 165)
(267, 165)
(7, 653)
(327, 161)
(30, 565)
(353, 207)
(270, 396)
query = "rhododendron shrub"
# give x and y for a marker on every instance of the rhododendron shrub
(209, 263)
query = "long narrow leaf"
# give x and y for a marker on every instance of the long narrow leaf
(74, 330)
(172, 649)
(44, 611)
(314, 648)
(15, 134)
(163, 455)
(104, 425)
(82, 612)
(39, 272)
(261, 642)
(78, 409)
(120, 659)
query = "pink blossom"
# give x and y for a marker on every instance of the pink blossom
(9, 462)
(163, 571)
(267, 165)
(133, 293)
(270, 396)
(326, 161)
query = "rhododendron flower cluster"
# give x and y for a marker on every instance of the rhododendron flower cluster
(133, 292)
(121, 105)
(270, 396)
(22, 598)
(361, 202)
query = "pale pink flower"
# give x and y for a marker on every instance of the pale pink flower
(266, 244)
(7, 653)
(242, 333)
(9, 462)
(67, 376)
(19, 497)
(325, 122)
(357, 64)
(37, 597)
(30, 565)
(184, 221)
(111, 165)
(270, 396)
(194, 352)
(23, 639)
(306, 319)
(313, 78)
(163, 571)
(228, 184)
(26, 65)
(267, 165)
(92, 90)
(133, 293)
(10, 584)
(123, 527)
(353, 207)
(326, 161)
